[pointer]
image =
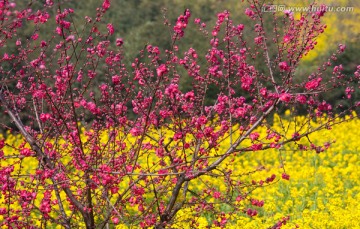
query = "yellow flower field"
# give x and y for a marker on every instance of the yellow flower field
(323, 190)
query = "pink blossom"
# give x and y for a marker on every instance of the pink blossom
(246, 82)
(251, 212)
(26, 152)
(190, 95)
(177, 136)
(285, 176)
(35, 36)
(181, 23)
(254, 136)
(155, 50)
(2, 143)
(91, 74)
(172, 90)
(44, 117)
(39, 94)
(115, 79)
(103, 87)
(217, 195)
(283, 66)
(21, 102)
(239, 198)
(322, 10)
(159, 152)
(138, 190)
(221, 17)
(324, 106)
(106, 4)
(338, 68)
(120, 108)
(65, 24)
(257, 203)
(249, 12)
(285, 97)
(58, 30)
(240, 112)
(161, 70)
(19, 84)
(115, 220)
(135, 131)
(45, 207)
(348, 92)
(288, 13)
(296, 136)
(91, 107)
(263, 92)
(240, 27)
(258, 40)
(342, 47)
(70, 38)
(313, 84)
(49, 2)
(301, 99)
(141, 82)
(43, 44)
(3, 211)
(256, 147)
(119, 42)
(110, 28)
(287, 39)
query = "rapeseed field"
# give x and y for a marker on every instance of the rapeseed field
(310, 190)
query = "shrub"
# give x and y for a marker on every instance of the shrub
(116, 145)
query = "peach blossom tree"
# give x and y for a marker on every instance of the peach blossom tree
(118, 145)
